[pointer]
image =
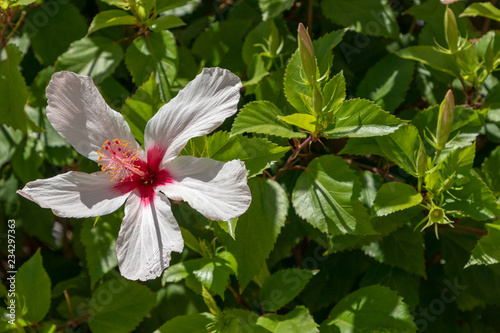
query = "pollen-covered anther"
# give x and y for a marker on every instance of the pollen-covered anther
(117, 159)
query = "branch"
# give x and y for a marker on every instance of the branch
(292, 157)
(238, 297)
(373, 169)
(471, 230)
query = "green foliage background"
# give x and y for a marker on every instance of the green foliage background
(346, 149)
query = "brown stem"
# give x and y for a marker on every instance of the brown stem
(238, 297)
(18, 23)
(73, 323)
(487, 21)
(292, 157)
(5, 21)
(310, 16)
(66, 296)
(377, 170)
(472, 230)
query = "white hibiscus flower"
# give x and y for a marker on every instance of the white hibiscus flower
(143, 180)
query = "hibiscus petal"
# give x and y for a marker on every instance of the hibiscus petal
(79, 113)
(148, 235)
(197, 110)
(217, 190)
(75, 194)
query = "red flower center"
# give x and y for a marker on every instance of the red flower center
(121, 162)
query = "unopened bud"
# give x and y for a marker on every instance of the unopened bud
(317, 100)
(445, 120)
(421, 160)
(451, 30)
(306, 51)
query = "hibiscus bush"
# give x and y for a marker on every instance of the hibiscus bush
(250, 166)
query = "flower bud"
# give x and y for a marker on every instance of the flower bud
(421, 160)
(306, 51)
(451, 30)
(436, 215)
(445, 120)
(317, 99)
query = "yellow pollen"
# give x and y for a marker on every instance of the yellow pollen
(117, 159)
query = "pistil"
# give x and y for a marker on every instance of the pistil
(118, 160)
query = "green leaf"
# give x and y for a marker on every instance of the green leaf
(302, 120)
(432, 57)
(272, 8)
(338, 275)
(326, 195)
(485, 9)
(258, 228)
(362, 146)
(166, 22)
(264, 39)
(26, 160)
(156, 53)
(297, 90)
(141, 107)
(487, 250)
(192, 323)
(490, 169)
(229, 227)
(110, 18)
(33, 288)
(24, 2)
(221, 44)
(282, 287)
(191, 241)
(214, 274)
(401, 147)
(490, 40)
(52, 27)
(358, 118)
(370, 309)
(262, 117)
(403, 248)
(97, 57)
(404, 283)
(387, 82)
(473, 199)
(334, 93)
(257, 153)
(256, 71)
(75, 302)
(384, 225)
(127, 303)
(271, 89)
(374, 18)
(299, 320)
(163, 5)
(13, 90)
(454, 167)
(466, 126)
(480, 281)
(432, 13)
(395, 196)
(239, 320)
(100, 245)
(456, 248)
(323, 47)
